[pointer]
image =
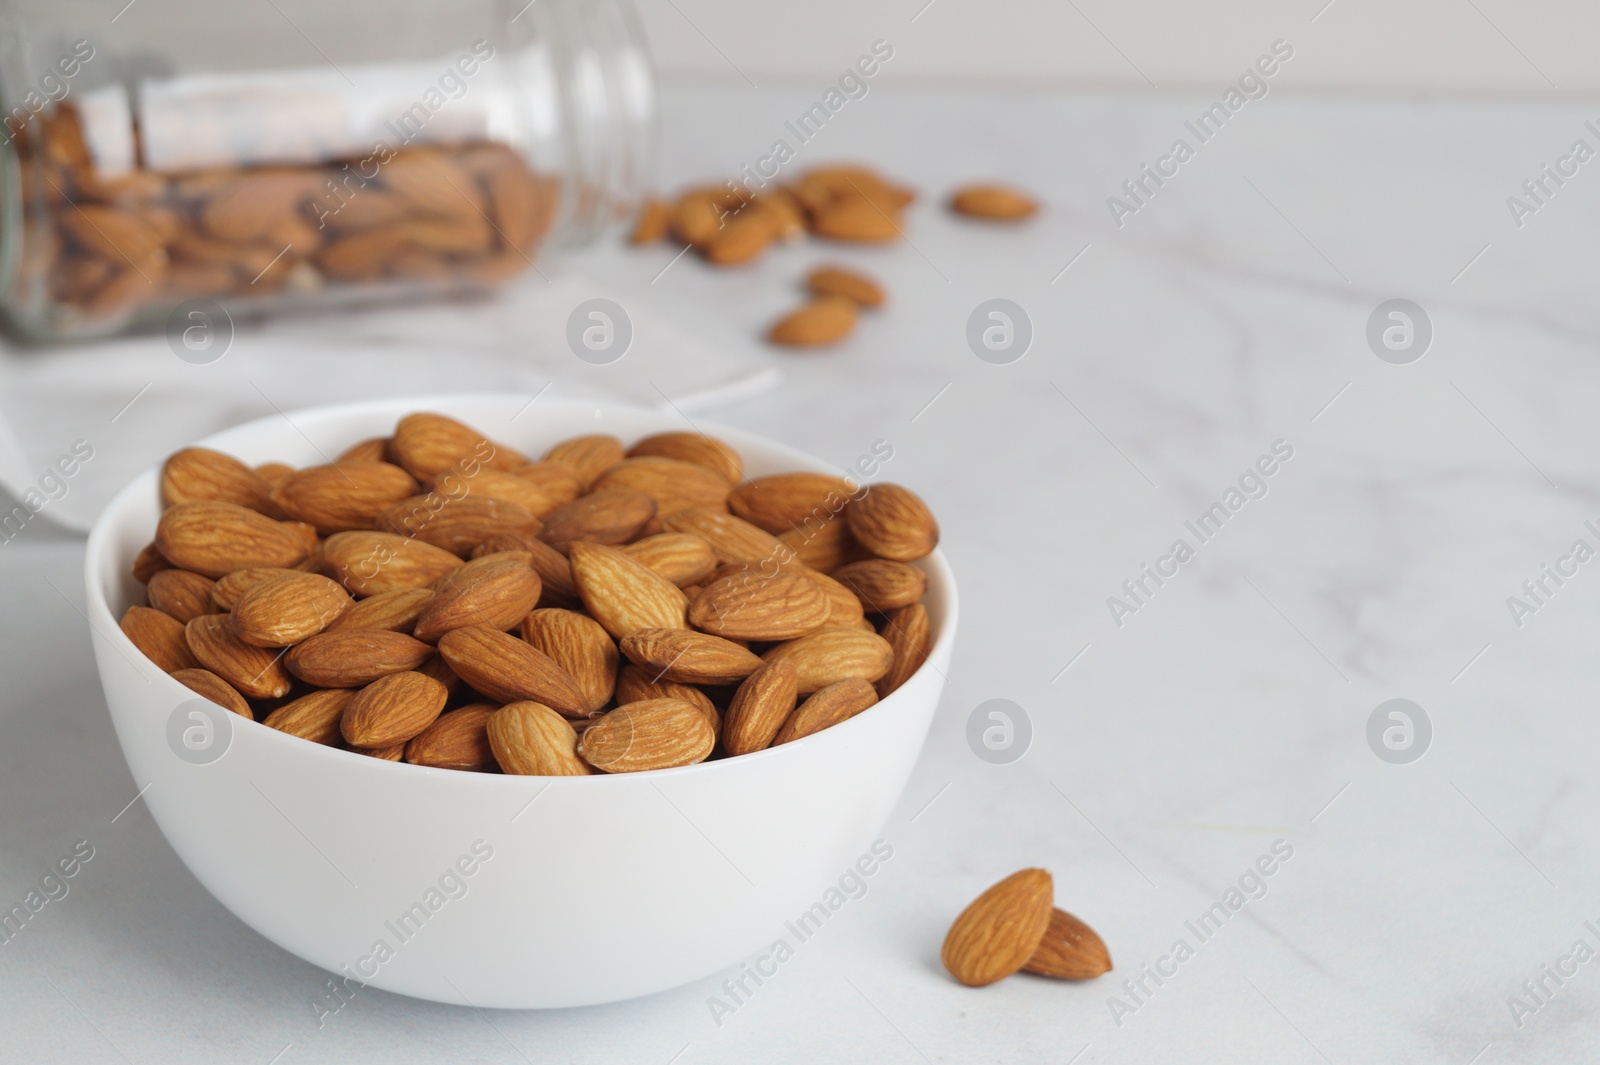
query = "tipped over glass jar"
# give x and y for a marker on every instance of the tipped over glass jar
(304, 154)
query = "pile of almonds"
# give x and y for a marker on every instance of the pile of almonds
(730, 225)
(436, 597)
(1015, 925)
(98, 246)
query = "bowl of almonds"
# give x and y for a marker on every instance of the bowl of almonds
(516, 705)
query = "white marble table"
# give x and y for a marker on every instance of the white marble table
(1170, 753)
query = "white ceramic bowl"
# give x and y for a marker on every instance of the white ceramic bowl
(594, 889)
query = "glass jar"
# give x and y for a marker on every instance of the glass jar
(304, 153)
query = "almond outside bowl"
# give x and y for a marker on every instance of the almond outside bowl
(482, 889)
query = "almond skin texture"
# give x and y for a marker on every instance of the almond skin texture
(392, 710)
(214, 539)
(530, 739)
(893, 522)
(159, 637)
(993, 202)
(698, 448)
(589, 456)
(636, 685)
(197, 474)
(997, 934)
(655, 734)
(355, 659)
(426, 445)
(681, 558)
(227, 591)
(824, 320)
(1070, 950)
(784, 501)
(832, 655)
(824, 546)
(555, 572)
(458, 524)
(557, 483)
(313, 717)
(607, 517)
(396, 611)
(837, 281)
(748, 606)
(512, 488)
(759, 708)
(148, 563)
(689, 657)
(393, 753)
(881, 585)
(624, 595)
(458, 740)
(732, 539)
(372, 449)
(343, 497)
(827, 707)
(496, 590)
(579, 645)
(256, 672)
(844, 606)
(206, 683)
(179, 593)
(509, 670)
(285, 610)
(910, 636)
(672, 483)
(370, 563)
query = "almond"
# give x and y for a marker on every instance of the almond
(214, 539)
(651, 225)
(208, 684)
(355, 659)
(744, 237)
(837, 281)
(749, 606)
(732, 538)
(396, 611)
(118, 235)
(456, 524)
(672, 483)
(689, 657)
(624, 595)
(881, 585)
(636, 685)
(579, 645)
(255, 671)
(313, 717)
(496, 590)
(285, 610)
(227, 591)
(784, 501)
(159, 637)
(759, 708)
(832, 655)
(908, 633)
(999, 931)
(392, 709)
(369, 563)
(893, 522)
(181, 594)
(824, 545)
(393, 753)
(458, 740)
(697, 448)
(372, 449)
(275, 472)
(197, 475)
(555, 572)
(697, 219)
(589, 456)
(606, 517)
(827, 707)
(434, 183)
(681, 558)
(557, 482)
(855, 218)
(440, 671)
(148, 562)
(530, 739)
(654, 734)
(343, 497)
(525, 492)
(844, 608)
(508, 670)
(823, 320)
(1070, 950)
(993, 202)
(426, 445)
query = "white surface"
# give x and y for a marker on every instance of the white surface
(1513, 45)
(1187, 741)
(340, 845)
